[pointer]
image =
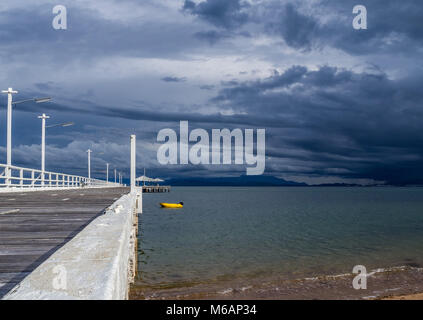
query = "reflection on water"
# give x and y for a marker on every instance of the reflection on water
(237, 237)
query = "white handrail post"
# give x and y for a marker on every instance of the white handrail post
(133, 161)
(21, 175)
(32, 178)
(8, 176)
(49, 179)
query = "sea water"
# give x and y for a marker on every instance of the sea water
(228, 237)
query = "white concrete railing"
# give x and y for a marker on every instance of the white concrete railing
(18, 178)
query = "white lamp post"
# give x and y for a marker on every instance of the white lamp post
(43, 118)
(9, 92)
(115, 175)
(43, 145)
(133, 161)
(107, 174)
(10, 102)
(89, 163)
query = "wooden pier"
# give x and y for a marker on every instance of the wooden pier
(33, 225)
(155, 189)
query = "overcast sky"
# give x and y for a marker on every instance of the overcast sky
(338, 104)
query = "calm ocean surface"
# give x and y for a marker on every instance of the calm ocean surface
(248, 234)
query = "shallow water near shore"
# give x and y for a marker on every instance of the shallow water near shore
(246, 242)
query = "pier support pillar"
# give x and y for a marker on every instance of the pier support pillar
(138, 205)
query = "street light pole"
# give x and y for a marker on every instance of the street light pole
(9, 92)
(89, 164)
(43, 118)
(133, 161)
(10, 103)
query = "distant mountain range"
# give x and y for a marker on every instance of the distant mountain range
(233, 181)
(260, 181)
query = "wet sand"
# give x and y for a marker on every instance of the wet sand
(394, 283)
(418, 296)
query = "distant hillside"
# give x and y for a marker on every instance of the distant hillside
(233, 181)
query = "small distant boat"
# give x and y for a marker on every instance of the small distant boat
(172, 205)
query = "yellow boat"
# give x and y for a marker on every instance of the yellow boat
(172, 205)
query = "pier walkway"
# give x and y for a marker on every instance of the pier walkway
(34, 225)
(155, 189)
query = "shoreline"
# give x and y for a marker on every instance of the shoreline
(416, 296)
(397, 283)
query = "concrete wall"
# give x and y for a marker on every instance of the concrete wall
(98, 264)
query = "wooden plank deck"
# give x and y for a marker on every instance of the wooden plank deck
(33, 225)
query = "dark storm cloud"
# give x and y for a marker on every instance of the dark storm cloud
(392, 25)
(298, 30)
(82, 108)
(227, 14)
(173, 79)
(357, 122)
(324, 122)
(321, 120)
(207, 87)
